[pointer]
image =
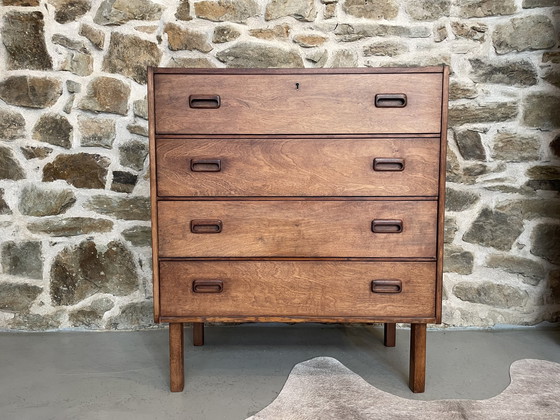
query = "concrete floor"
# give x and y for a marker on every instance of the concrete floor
(240, 370)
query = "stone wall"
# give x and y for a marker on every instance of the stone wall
(74, 207)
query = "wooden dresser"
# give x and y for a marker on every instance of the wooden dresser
(298, 195)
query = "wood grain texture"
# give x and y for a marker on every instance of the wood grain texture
(297, 228)
(176, 357)
(284, 288)
(299, 319)
(389, 334)
(323, 103)
(417, 367)
(198, 333)
(268, 71)
(298, 167)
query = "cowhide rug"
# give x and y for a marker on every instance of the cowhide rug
(323, 388)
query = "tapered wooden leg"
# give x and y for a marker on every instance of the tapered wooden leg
(417, 374)
(390, 334)
(176, 357)
(198, 333)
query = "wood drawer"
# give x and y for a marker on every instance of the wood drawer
(298, 167)
(297, 103)
(296, 228)
(302, 288)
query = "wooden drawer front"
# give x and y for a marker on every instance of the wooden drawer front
(319, 103)
(296, 228)
(297, 167)
(302, 288)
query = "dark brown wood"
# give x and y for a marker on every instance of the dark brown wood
(198, 333)
(389, 334)
(298, 319)
(390, 100)
(345, 70)
(303, 288)
(299, 167)
(176, 357)
(207, 286)
(206, 226)
(325, 103)
(297, 228)
(386, 286)
(417, 372)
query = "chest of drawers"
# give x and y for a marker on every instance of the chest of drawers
(298, 195)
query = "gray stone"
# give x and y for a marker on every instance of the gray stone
(450, 229)
(553, 77)
(78, 63)
(482, 8)
(36, 201)
(36, 322)
(183, 10)
(344, 58)
(462, 90)
(32, 92)
(97, 132)
(70, 226)
(17, 297)
(530, 4)
(35, 152)
(470, 144)
(24, 38)
(140, 108)
(133, 154)
(69, 10)
(123, 181)
(532, 270)
(69, 105)
(472, 31)
(9, 166)
(540, 110)
(353, 32)
(138, 129)
(486, 293)
(225, 33)
(329, 11)
(532, 32)
(428, 9)
(544, 177)
(456, 200)
(23, 259)
(82, 170)
(130, 56)
(249, 54)
(123, 208)
(551, 57)
(440, 33)
(134, 316)
(495, 229)
(106, 94)
(12, 125)
(73, 87)
(54, 129)
(555, 146)
(91, 316)
(371, 9)
(509, 189)
(275, 32)
(422, 60)
(188, 62)
(69, 43)
(22, 3)
(95, 36)
(138, 235)
(309, 40)
(553, 295)
(303, 10)
(84, 270)
(457, 260)
(226, 10)
(483, 113)
(318, 57)
(185, 39)
(384, 49)
(4, 208)
(513, 147)
(514, 73)
(117, 12)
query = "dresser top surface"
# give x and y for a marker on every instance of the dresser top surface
(317, 71)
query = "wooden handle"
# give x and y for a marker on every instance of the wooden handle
(206, 165)
(388, 164)
(207, 286)
(386, 286)
(206, 226)
(390, 100)
(386, 226)
(204, 101)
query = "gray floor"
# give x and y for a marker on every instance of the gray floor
(241, 369)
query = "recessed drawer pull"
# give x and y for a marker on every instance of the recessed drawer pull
(207, 286)
(206, 226)
(390, 100)
(204, 101)
(206, 165)
(386, 226)
(388, 164)
(386, 286)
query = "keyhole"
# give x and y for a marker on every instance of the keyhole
(297, 86)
